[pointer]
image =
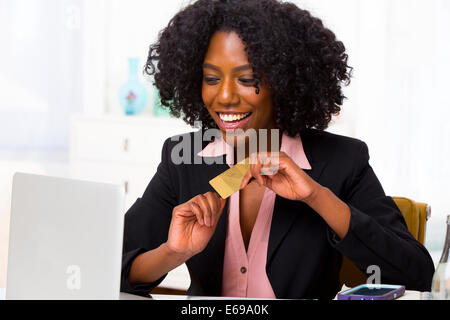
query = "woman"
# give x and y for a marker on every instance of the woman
(262, 64)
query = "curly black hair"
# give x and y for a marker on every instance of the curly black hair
(301, 60)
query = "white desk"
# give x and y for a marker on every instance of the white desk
(123, 296)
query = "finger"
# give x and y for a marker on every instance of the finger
(265, 164)
(268, 181)
(257, 171)
(214, 204)
(247, 177)
(270, 163)
(221, 204)
(271, 168)
(255, 167)
(207, 212)
(213, 200)
(275, 163)
(198, 212)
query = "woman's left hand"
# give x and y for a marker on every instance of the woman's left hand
(287, 179)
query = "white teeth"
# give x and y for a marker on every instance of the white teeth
(232, 117)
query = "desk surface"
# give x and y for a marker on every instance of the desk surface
(409, 295)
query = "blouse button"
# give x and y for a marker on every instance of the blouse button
(243, 269)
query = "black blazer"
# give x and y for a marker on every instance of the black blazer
(304, 255)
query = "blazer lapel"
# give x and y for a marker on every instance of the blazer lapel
(285, 211)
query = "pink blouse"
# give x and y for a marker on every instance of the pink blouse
(244, 272)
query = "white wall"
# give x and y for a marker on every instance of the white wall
(40, 78)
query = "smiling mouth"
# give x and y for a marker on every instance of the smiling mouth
(228, 118)
(233, 120)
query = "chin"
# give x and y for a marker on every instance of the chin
(235, 140)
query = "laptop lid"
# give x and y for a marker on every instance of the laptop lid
(65, 239)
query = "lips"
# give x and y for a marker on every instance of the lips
(233, 124)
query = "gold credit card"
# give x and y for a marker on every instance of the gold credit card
(229, 182)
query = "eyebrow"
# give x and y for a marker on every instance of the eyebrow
(243, 67)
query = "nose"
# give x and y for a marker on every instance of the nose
(227, 93)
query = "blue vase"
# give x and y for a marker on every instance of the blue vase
(133, 95)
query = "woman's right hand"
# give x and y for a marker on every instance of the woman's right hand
(193, 223)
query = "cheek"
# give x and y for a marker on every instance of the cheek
(207, 96)
(263, 104)
(263, 98)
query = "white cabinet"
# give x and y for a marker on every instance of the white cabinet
(124, 150)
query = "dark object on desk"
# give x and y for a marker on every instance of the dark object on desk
(372, 292)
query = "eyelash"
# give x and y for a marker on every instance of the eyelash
(245, 81)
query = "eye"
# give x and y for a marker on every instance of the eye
(247, 81)
(211, 80)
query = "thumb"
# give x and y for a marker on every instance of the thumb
(246, 179)
(222, 203)
(219, 213)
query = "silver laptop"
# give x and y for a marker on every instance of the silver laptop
(65, 239)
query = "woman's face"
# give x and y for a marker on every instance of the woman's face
(228, 89)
